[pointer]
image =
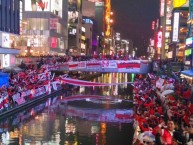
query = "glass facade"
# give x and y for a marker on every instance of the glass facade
(9, 16)
(9, 31)
(44, 29)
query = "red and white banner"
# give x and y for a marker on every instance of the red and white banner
(73, 65)
(93, 65)
(129, 65)
(82, 65)
(108, 64)
(87, 83)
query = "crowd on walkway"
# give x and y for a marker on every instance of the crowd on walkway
(163, 111)
(58, 59)
(22, 86)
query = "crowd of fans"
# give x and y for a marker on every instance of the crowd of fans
(163, 120)
(30, 78)
(169, 119)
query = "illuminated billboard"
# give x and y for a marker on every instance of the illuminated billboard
(189, 41)
(72, 17)
(53, 42)
(159, 39)
(37, 5)
(6, 60)
(162, 5)
(75, 5)
(7, 40)
(72, 30)
(179, 3)
(175, 27)
(54, 6)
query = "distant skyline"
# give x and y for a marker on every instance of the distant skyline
(133, 18)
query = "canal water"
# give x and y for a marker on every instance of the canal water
(92, 122)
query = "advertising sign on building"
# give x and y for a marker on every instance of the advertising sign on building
(162, 5)
(179, 3)
(152, 42)
(5, 40)
(6, 60)
(36, 5)
(54, 42)
(159, 39)
(175, 27)
(8, 40)
(72, 17)
(56, 7)
(170, 54)
(189, 41)
(53, 23)
(88, 21)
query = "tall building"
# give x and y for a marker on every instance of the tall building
(44, 27)
(179, 32)
(89, 47)
(99, 14)
(9, 31)
(170, 42)
(163, 33)
(75, 42)
(88, 13)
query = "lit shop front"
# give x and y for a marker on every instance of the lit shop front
(44, 30)
(40, 41)
(8, 43)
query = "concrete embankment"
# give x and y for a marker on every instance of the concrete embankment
(30, 103)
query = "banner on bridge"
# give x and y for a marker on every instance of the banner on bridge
(129, 66)
(73, 65)
(93, 65)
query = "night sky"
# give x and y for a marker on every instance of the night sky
(133, 18)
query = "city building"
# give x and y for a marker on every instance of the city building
(9, 31)
(179, 32)
(75, 23)
(163, 35)
(88, 25)
(44, 27)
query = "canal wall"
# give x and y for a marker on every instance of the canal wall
(30, 103)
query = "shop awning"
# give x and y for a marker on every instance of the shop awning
(187, 73)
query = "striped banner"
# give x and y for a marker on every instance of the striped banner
(87, 83)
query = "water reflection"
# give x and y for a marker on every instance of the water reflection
(123, 91)
(54, 122)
